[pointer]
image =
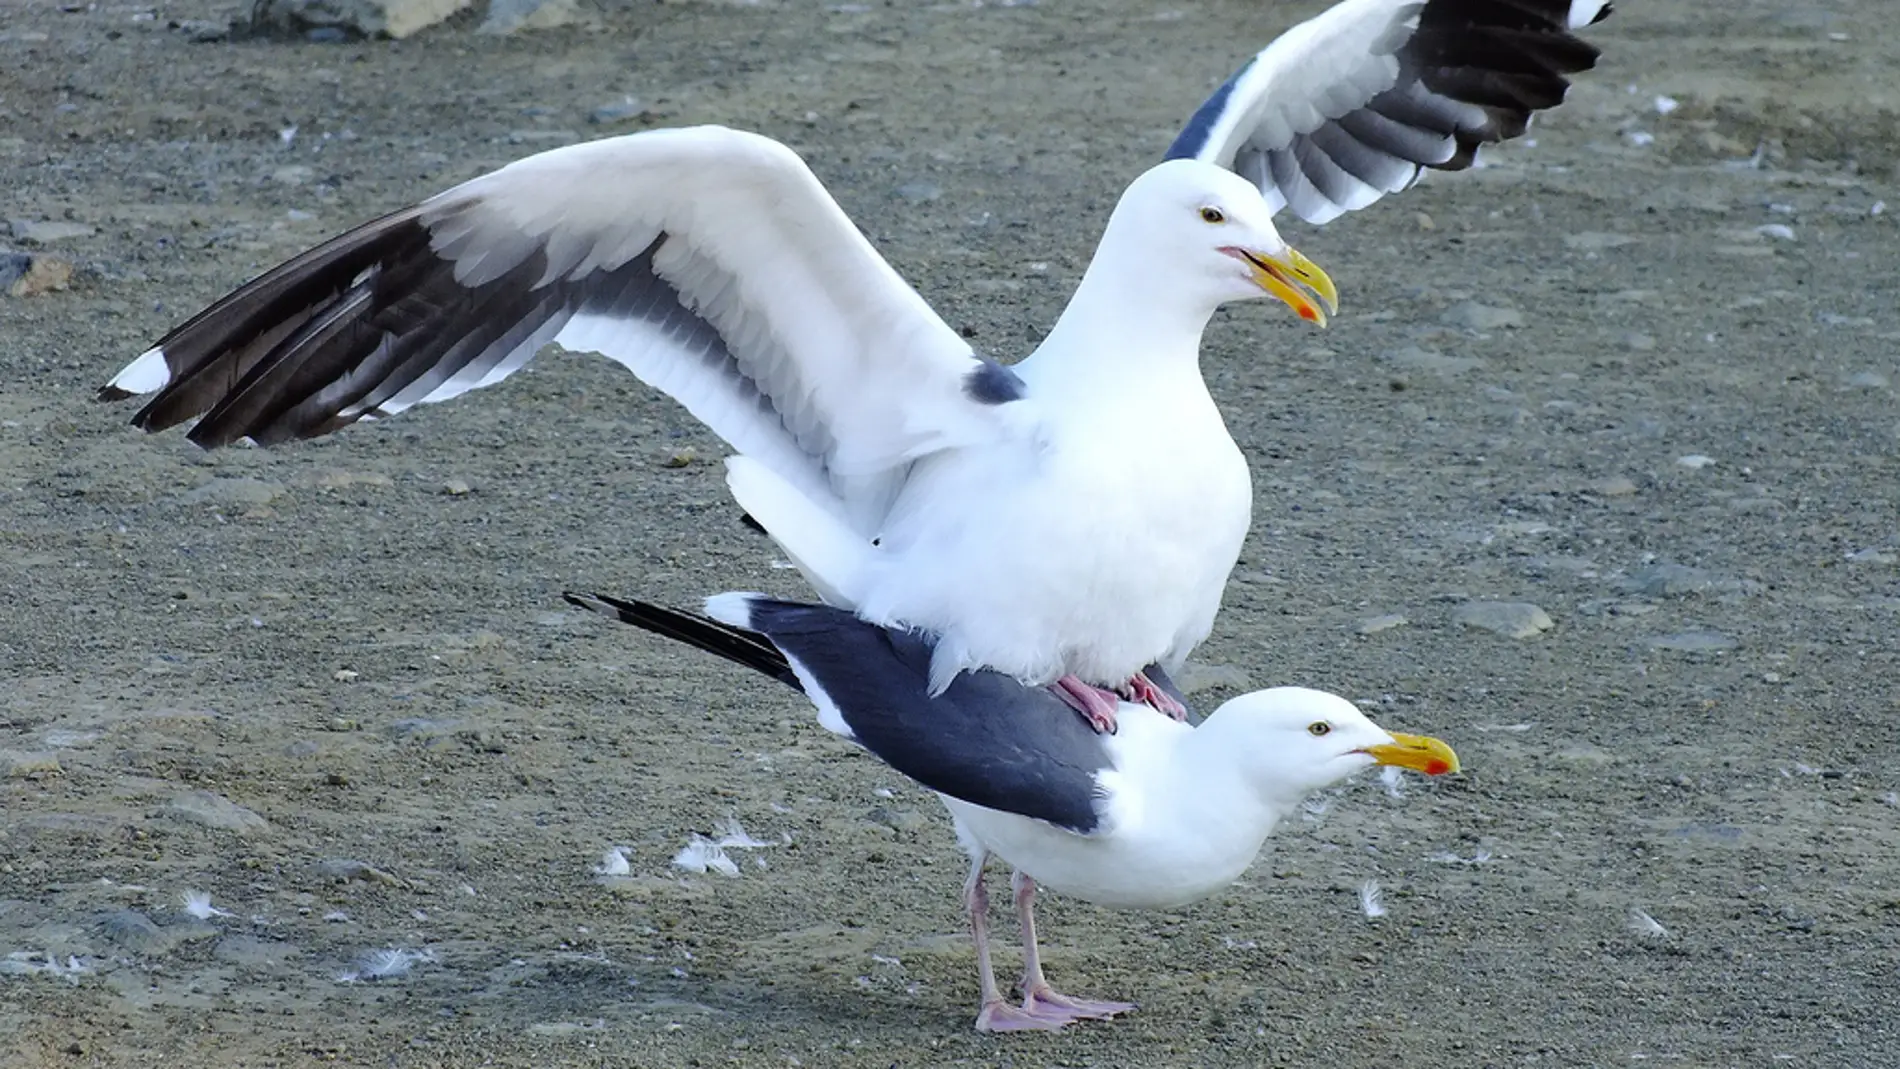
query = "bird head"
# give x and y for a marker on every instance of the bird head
(1209, 228)
(1298, 741)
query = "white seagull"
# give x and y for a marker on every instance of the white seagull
(1070, 520)
(1157, 815)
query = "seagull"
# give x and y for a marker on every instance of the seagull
(1156, 815)
(1069, 520)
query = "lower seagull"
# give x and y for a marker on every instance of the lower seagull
(1155, 815)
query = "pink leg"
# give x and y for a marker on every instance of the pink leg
(1140, 688)
(1096, 704)
(996, 1015)
(1039, 999)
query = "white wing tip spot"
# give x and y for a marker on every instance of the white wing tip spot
(148, 374)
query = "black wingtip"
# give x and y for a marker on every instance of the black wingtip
(736, 644)
(600, 603)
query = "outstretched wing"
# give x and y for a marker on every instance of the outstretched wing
(1353, 104)
(710, 262)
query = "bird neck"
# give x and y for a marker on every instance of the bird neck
(1127, 322)
(1224, 754)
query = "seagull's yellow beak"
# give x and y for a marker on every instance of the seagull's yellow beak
(1420, 753)
(1296, 280)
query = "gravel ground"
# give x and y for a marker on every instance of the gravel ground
(1637, 372)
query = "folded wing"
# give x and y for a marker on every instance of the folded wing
(988, 740)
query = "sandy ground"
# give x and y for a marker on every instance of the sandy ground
(1637, 372)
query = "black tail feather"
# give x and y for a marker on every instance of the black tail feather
(746, 648)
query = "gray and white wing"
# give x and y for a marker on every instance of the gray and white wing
(710, 262)
(1356, 102)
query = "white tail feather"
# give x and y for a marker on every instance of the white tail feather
(733, 608)
(831, 556)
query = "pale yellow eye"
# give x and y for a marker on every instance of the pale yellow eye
(1318, 728)
(1211, 214)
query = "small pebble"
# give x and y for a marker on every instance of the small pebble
(222, 491)
(1695, 461)
(456, 488)
(202, 31)
(679, 458)
(1474, 316)
(216, 812)
(1512, 619)
(45, 232)
(16, 765)
(31, 275)
(344, 869)
(621, 111)
(1693, 642)
(919, 192)
(1667, 580)
(1376, 624)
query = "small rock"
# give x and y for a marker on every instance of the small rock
(344, 869)
(1195, 677)
(32, 274)
(222, 491)
(1777, 231)
(510, 16)
(1681, 580)
(295, 174)
(626, 109)
(344, 675)
(894, 819)
(1636, 341)
(456, 488)
(45, 232)
(1597, 241)
(1867, 380)
(919, 192)
(17, 765)
(1693, 642)
(1474, 316)
(1614, 486)
(1512, 619)
(340, 19)
(216, 812)
(343, 480)
(1695, 461)
(1870, 555)
(203, 31)
(678, 458)
(1376, 624)
(133, 931)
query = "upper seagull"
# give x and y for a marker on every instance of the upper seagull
(1069, 520)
